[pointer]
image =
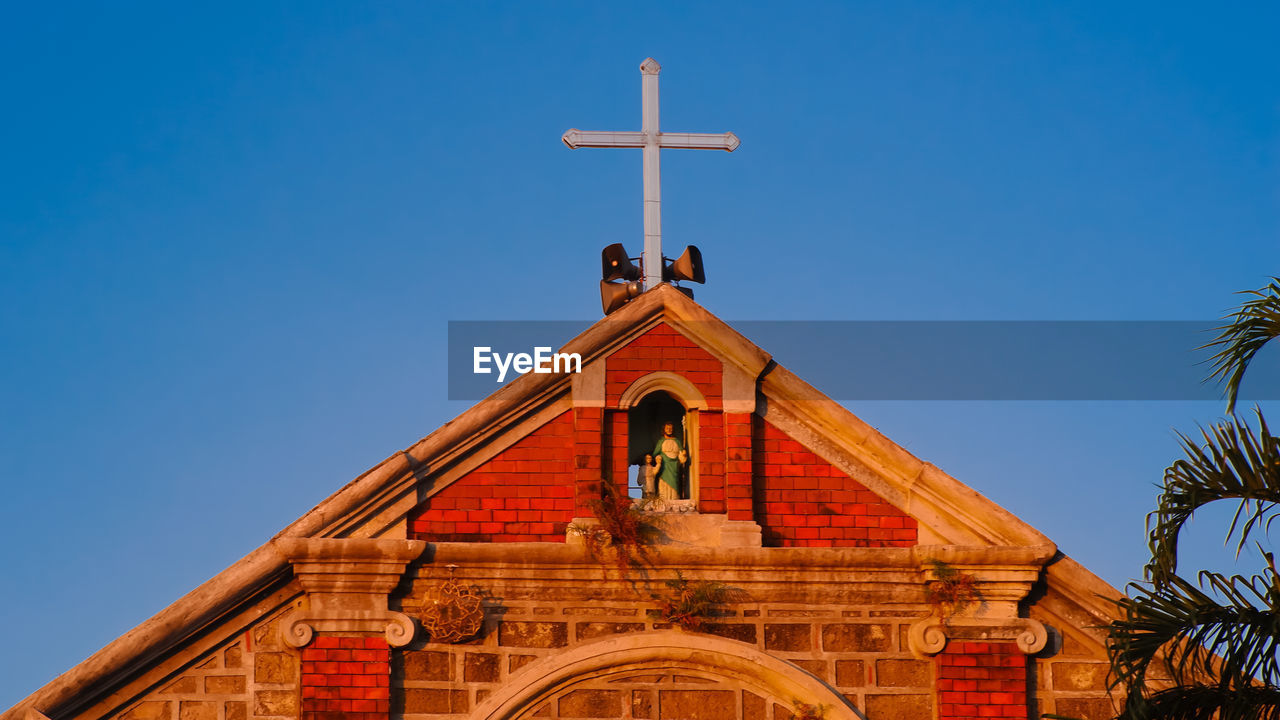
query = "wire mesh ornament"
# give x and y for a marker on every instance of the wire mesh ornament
(451, 612)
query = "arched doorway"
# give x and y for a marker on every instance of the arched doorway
(658, 675)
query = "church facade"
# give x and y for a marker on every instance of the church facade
(801, 567)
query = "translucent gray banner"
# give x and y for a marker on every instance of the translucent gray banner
(918, 360)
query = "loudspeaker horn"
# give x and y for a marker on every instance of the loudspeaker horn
(686, 267)
(615, 295)
(615, 265)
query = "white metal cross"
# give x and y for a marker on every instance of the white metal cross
(652, 140)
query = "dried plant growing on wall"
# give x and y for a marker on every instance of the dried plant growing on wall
(951, 591)
(688, 604)
(805, 711)
(622, 535)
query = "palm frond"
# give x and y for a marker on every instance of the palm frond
(1251, 326)
(1202, 702)
(1233, 463)
(1228, 645)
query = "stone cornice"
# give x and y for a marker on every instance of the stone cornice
(1005, 574)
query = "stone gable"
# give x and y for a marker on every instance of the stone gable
(832, 542)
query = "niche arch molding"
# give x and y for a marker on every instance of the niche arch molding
(677, 386)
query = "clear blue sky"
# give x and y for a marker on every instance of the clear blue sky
(230, 240)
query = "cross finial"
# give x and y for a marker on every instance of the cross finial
(651, 139)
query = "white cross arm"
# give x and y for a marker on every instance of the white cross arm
(687, 141)
(602, 139)
(700, 141)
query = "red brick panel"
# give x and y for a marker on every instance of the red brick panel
(737, 466)
(346, 677)
(802, 500)
(981, 680)
(710, 458)
(588, 457)
(617, 444)
(662, 348)
(524, 494)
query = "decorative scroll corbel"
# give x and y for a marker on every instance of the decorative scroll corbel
(930, 635)
(999, 578)
(300, 627)
(347, 581)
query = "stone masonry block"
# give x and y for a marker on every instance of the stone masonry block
(190, 710)
(591, 704)
(697, 705)
(817, 668)
(224, 684)
(860, 637)
(236, 710)
(444, 702)
(899, 707)
(515, 662)
(480, 667)
(232, 657)
(275, 668)
(148, 711)
(641, 704)
(753, 706)
(533, 634)
(850, 673)
(588, 630)
(1079, 676)
(427, 665)
(275, 702)
(789, 637)
(1085, 708)
(733, 631)
(904, 673)
(184, 685)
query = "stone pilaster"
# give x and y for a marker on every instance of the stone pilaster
(345, 629)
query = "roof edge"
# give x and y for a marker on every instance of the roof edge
(162, 631)
(961, 514)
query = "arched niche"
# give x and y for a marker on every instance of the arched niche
(617, 656)
(652, 400)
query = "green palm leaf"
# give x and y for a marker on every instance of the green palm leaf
(1200, 702)
(1230, 644)
(1233, 463)
(1251, 326)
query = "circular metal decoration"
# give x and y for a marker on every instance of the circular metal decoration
(451, 612)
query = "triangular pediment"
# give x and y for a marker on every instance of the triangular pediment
(948, 511)
(531, 431)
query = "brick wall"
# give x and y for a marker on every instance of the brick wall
(524, 494)
(981, 680)
(710, 459)
(801, 500)
(588, 457)
(662, 348)
(346, 677)
(737, 466)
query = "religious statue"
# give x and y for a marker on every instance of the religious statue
(647, 477)
(671, 458)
